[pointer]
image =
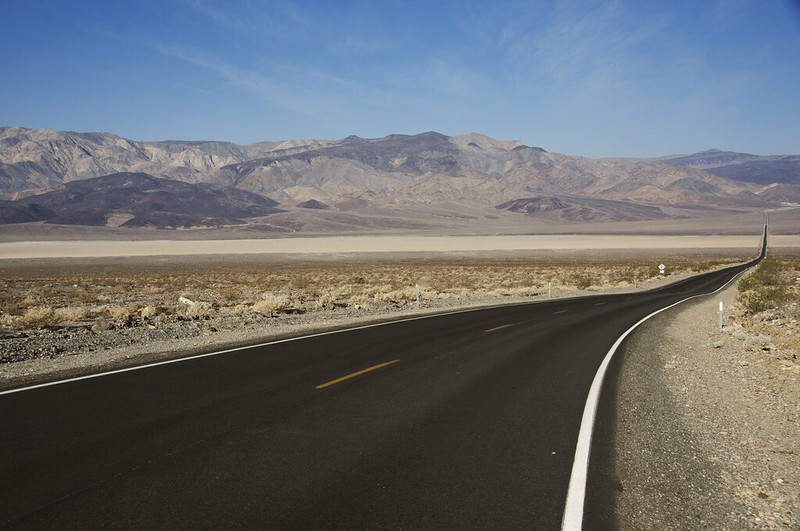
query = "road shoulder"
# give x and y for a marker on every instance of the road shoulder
(707, 427)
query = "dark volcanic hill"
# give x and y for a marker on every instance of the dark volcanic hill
(146, 200)
(355, 176)
(313, 204)
(15, 212)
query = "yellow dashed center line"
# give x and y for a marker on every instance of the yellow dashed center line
(599, 303)
(343, 378)
(560, 311)
(497, 328)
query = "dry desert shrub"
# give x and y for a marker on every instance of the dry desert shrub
(584, 279)
(8, 320)
(406, 294)
(272, 302)
(758, 343)
(515, 292)
(32, 299)
(325, 300)
(766, 288)
(456, 293)
(227, 292)
(361, 299)
(37, 317)
(625, 275)
(148, 312)
(71, 314)
(238, 309)
(117, 312)
(85, 295)
(11, 305)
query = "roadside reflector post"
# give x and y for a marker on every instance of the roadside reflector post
(549, 290)
(720, 314)
(417, 294)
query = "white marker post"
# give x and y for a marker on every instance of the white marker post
(720, 314)
(417, 294)
(549, 290)
(661, 269)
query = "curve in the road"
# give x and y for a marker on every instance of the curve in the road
(576, 493)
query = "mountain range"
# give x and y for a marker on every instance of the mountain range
(103, 179)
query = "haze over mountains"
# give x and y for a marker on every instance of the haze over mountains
(101, 179)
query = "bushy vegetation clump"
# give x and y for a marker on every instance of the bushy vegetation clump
(764, 289)
(584, 280)
(272, 302)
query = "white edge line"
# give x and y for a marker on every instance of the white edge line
(236, 349)
(576, 492)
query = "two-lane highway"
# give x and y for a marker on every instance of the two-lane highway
(463, 420)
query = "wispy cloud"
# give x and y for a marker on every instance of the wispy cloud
(300, 89)
(319, 67)
(280, 18)
(579, 40)
(349, 44)
(269, 88)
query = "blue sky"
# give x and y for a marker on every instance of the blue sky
(581, 77)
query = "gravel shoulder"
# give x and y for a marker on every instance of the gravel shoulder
(708, 422)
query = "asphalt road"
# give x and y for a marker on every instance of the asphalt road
(466, 420)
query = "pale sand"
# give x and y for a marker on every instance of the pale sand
(374, 244)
